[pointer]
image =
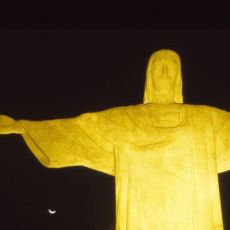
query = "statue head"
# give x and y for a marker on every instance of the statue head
(163, 78)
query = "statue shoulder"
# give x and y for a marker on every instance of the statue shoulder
(204, 108)
(120, 109)
(209, 112)
(114, 113)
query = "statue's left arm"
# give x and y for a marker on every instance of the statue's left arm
(222, 140)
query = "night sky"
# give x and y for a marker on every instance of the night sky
(47, 74)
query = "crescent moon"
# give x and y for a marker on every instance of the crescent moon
(51, 211)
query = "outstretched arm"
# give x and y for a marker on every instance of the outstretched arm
(222, 138)
(8, 125)
(65, 142)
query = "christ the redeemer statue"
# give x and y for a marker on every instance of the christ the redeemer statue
(165, 155)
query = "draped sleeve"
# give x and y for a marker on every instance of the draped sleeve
(79, 141)
(222, 140)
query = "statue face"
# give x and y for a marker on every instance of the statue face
(164, 72)
(163, 83)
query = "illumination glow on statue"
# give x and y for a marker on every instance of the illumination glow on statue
(165, 155)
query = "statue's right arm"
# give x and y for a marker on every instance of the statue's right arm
(8, 125)
(78, 141)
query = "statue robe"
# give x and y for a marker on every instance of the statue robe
(165, 159)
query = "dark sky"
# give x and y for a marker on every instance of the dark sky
(47, 74)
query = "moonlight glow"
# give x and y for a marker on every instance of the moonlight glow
(51, 211)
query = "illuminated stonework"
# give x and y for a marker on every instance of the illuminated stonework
(165, 155)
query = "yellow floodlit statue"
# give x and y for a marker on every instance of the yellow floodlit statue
(165, 155)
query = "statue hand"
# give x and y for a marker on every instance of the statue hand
(9, 125)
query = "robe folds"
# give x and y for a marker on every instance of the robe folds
(165, 159)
